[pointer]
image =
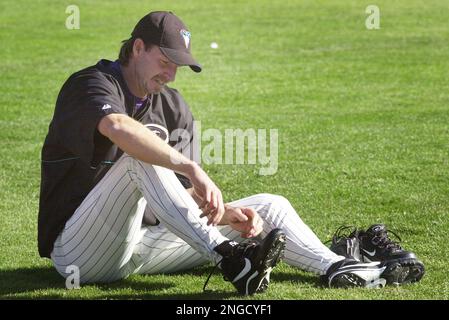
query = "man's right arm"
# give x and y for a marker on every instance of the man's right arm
(137, 141)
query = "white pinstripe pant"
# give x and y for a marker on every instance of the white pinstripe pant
(106, 240)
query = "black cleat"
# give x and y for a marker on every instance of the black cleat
(248, 265)
(346, 245)
(349, 273)
(374, 245)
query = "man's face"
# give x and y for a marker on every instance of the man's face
(153, 69)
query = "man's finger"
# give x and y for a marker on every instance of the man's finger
(249, 212)
(248, 235)
(203, 204)
(213, 202)
(221, 202)
(207, 198)
(205, 213)
(217, 214)
(238, 215)
(212, 209)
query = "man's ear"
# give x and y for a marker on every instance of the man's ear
(138, 47)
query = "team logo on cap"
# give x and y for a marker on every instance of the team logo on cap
(186, 36)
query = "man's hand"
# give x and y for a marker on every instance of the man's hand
(211, 199)
(245, 220)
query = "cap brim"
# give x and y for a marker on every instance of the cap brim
(181, 58)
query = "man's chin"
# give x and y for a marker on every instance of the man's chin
(155, 90)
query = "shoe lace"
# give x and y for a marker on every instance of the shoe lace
(383, 240)
(239, 250)
(342, 232)
(210, 275)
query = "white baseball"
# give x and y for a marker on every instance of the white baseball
(214, 45)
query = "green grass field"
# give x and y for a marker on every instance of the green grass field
(362, 116)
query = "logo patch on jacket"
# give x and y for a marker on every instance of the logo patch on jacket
(159, 130)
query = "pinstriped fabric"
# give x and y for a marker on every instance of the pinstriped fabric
(161, 251)
(101, 236)
(181, 214)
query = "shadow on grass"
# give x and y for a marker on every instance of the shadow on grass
(46, 283)
(29, 279)
(25, 282)
(297, 278)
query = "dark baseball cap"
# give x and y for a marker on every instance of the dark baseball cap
(170, 34)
